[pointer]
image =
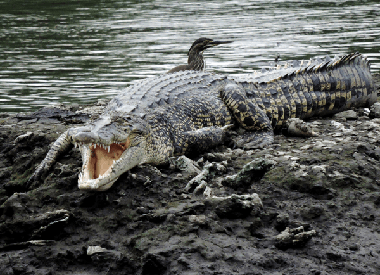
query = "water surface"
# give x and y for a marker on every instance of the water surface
(56, 51)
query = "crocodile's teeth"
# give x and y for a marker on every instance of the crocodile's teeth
(94, 145)
(75, 145)
(109, 148)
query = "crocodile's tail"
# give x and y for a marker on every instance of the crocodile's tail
(302, 65)
(352, 59)
(287, 68)
(322, 89)
(340, 84)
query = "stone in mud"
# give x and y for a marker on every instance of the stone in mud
(23, 137)
(101, 256)
(198, 219)
(92, 249)
(347, 115)
(296, 237)
(235, 206)
(375, 110)
(217, 157)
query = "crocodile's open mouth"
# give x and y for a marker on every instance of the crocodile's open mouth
(99, 160)
(102, 159)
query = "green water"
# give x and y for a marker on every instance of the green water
(80, 51)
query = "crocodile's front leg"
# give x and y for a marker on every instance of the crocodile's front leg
(249, 116)
(61, 145)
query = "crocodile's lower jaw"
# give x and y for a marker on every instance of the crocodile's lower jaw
(95, 184)
(98, 163)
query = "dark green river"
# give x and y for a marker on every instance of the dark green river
(56, 51)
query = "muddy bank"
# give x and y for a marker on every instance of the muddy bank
(301, 206)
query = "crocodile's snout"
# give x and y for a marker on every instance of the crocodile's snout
(85, 137)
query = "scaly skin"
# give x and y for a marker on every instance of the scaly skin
(175, 114)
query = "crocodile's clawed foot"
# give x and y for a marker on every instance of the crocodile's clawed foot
(199, 184)
(199, 181)
(298, 128)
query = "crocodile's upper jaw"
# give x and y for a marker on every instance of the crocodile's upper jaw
(102, 165)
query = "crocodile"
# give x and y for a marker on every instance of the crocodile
(191, 112)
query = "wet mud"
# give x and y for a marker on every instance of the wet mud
(301, 206)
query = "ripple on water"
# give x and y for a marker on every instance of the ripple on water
(83, 51)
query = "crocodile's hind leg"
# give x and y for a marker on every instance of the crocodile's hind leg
(250, 116)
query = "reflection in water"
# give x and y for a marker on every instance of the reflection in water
(80, 51)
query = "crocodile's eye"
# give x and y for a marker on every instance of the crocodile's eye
(137, 132)
(139, 129)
